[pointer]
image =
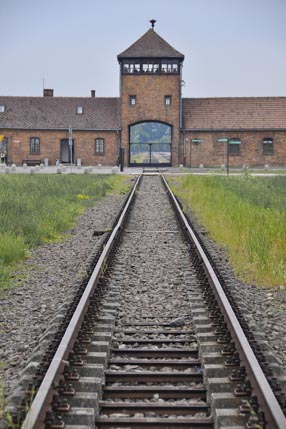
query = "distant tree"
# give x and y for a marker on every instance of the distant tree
(150, 132)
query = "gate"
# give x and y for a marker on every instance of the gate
(150, 154)
(150, 144)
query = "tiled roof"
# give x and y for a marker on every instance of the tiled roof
(59, 112)
(150, 45)
(234, 113)
(102, 113)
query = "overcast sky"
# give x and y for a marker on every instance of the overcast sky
(231, 47)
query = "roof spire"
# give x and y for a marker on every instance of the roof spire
(153, 22)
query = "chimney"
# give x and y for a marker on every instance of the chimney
(92, 93)
(48, 92)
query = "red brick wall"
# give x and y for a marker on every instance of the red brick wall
(209, 152)
(50, 144)
(150, 91)
(212, 153)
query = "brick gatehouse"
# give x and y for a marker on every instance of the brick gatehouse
(148, 124)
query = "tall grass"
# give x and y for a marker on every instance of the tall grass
(246, 215)
(38, 209)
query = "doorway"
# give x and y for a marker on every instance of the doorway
(67, 152)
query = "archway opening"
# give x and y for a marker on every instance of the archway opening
(150, 144)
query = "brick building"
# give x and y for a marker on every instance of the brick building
(149, 124)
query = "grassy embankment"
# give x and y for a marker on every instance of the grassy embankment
(39, 209)
(246, 215)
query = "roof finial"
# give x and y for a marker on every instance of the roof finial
(153, 22)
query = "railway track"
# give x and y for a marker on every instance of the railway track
(152, 341)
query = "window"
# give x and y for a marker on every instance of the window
(267, 146)
(99, 146)
(156, 67)
(34, 145)
(131, 66)
(168, 100)
(79, 110)
(150, 66)
(132, 100)
(3, 145)
(2, 109)
(234, 149)
(170, 66)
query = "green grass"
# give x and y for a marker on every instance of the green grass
(246, 215)
(38, 209)
(257, 171)
(238, 171)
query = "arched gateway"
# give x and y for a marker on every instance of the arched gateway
(150, 144)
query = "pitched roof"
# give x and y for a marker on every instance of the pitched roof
(59, 112)
(103, 113)
(234, 113)
(150, 45)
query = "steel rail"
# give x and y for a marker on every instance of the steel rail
(275, 418)
(40, 405)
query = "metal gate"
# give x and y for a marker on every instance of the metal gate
(150, 144)
(150, 154)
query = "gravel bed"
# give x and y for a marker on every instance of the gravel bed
(154, 255)
(153, 290)
(48, 280)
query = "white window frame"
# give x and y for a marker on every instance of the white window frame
(99, 146)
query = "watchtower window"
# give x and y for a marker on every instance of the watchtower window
(131, 67)
(169, 66)
(150, 66)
